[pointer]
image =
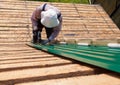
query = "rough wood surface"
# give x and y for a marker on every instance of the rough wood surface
(23, 65)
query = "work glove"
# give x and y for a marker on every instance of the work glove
(45, 42)
(49, 42)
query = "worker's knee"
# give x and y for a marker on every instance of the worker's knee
(35, 32)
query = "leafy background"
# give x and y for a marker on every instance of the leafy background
(65, 1)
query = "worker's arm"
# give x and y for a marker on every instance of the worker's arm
(54, 34)
(36, 16)
(56, 30)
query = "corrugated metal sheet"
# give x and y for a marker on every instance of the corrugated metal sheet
(116, 16)
(105, 57)
(108, 5)
(111, 7)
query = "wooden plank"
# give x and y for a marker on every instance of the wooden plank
(84, 80)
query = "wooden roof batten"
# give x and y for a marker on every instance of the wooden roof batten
(23, 65)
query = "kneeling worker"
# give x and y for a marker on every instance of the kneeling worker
(48, 17)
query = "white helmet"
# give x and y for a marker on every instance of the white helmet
(49, 18)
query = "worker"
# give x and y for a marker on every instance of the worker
(48, 17)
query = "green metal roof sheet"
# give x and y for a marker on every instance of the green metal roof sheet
(105, 57)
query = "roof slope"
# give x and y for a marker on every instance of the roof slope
(79, 21)
(22, 65)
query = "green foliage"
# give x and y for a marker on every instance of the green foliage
(65, 1)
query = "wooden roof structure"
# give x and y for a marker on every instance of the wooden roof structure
(22, 65)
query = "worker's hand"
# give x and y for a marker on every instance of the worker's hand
(45, 42)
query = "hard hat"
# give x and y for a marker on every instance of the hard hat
(49, 18)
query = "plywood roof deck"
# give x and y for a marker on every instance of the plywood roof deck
(22, 65)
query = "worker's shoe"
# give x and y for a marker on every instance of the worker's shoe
(39, 40)
(34, 39)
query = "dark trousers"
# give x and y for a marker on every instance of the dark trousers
(48, 30)
(37, 33)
